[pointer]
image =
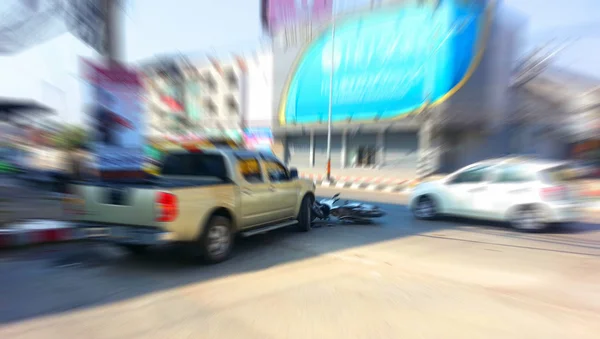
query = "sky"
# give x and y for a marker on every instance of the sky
(49, 72)
(196, 26)
(577, 20)
(191, 27)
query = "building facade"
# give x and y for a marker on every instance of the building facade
(259, 89)
(558, 117)
(202, 98)
(229, 98)
(416, 87)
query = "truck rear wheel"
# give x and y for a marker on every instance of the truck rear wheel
(217, 240)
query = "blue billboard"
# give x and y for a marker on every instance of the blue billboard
(386, 64)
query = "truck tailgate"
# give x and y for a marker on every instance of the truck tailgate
(135, 205)
(119, 205)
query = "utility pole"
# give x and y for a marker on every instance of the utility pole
(112, 37)
(330, 109)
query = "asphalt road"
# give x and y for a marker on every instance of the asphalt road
(399, 278)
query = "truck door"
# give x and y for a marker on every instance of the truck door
(255, 193)
(284, 191)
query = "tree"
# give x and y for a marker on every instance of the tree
(70, 137)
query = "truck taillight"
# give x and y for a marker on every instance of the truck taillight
(553, 193)
(166, 206)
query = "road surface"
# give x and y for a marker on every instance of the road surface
(400, 278)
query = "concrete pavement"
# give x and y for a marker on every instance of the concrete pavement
(398, 279)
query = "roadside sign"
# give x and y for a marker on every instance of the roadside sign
(116, 117)
(258, 138)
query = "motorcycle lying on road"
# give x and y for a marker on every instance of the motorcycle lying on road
(353, 212)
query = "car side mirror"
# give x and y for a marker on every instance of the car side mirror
(294, 173)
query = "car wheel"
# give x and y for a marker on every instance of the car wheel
(217, 240)
(425, 208)
(135, 249)
(528, 219)
(305, 214)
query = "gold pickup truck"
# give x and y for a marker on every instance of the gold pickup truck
(202, 198)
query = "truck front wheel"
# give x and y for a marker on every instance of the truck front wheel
(217, 240)
(305, 214)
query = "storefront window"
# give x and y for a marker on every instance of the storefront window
(191, 101)
(587, 150)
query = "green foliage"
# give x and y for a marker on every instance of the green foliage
(70, 137)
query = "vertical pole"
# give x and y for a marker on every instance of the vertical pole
(312, 149)
(380, 160)
(330, 99)
(111, 31)
(344, 148)
(111, 36)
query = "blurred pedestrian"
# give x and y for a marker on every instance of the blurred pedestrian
(82, 167)
(79, 167)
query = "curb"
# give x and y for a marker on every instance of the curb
(387, 185)
(37, 232)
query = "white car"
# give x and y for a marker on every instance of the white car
(529, 194)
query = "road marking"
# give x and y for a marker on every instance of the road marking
(390, 189)
(372, 187)
(356, 185)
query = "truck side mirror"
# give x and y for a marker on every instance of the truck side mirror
(294, 173)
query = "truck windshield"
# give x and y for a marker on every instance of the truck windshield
(200, 165)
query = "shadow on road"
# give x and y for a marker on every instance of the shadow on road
(48, 281)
